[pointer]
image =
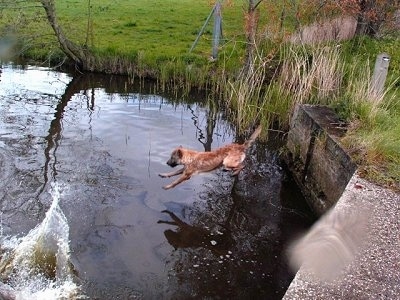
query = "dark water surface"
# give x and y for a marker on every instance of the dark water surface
(103, 142)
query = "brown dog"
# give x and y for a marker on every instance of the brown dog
(194, 162)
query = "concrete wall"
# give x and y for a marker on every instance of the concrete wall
(320, 166)
(338, 29)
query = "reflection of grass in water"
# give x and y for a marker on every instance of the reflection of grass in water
(44, 262)
(38, 263)
(30, 258)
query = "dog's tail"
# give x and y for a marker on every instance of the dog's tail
(253, 137)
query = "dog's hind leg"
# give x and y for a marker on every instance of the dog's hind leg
(237, 170)
(174, 173)
(184, 177)
(234, 162)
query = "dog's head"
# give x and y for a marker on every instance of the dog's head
(175, 158)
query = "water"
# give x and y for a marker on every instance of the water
(83, 213)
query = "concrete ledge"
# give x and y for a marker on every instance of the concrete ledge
(319, 165)
(374, 273)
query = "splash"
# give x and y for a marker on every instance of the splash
(37, 266)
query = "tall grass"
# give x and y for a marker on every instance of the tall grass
(373, 137)
(243, 93)
(313, 75)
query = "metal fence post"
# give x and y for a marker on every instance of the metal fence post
(202, 29)
(217, 30)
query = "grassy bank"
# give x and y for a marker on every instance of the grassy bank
(332, 76)
(153, 37)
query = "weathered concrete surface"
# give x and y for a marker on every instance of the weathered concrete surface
(374, 273)
(320, 166)
(338, 29)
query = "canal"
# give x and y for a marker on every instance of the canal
(83, 212)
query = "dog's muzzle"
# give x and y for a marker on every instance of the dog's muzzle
(172, 164)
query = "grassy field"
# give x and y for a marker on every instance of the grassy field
(156, 35)
(154, 28)
(146, 31)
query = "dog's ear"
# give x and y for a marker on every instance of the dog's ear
(179, 152)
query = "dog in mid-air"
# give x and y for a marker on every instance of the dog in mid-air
(231, 157)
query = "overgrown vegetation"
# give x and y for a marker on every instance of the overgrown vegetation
(321, 75)
(153, 37)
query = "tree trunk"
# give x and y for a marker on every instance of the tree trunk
(371, 15)
(250, 31)
(79, 55)
(362, 20)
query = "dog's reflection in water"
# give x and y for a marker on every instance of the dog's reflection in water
(188, 236)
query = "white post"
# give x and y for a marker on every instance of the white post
(380, 73)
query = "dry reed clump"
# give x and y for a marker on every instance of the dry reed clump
(243, 94)
(314, 76)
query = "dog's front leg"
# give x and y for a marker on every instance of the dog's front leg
(174, 173)
(184, 177)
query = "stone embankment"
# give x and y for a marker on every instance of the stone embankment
(352, 252)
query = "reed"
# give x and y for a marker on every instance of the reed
(311, 75)
(243, 94)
